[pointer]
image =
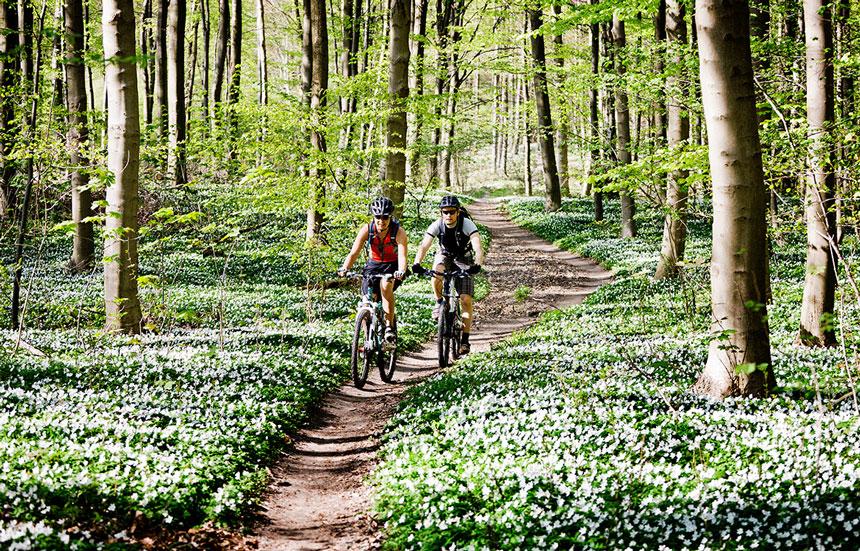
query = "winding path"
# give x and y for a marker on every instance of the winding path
(318, 499)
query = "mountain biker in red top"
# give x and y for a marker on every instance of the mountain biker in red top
(385, 242)
(459, 247)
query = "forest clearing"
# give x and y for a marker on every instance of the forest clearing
(659, 204)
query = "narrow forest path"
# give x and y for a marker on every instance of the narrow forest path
(318, 499)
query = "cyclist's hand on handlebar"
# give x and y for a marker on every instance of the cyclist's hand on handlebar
(474, 269)
(341, 273)
(418, 269)
(399, 275)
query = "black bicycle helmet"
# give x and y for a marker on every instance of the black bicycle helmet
(381, 206)
(449, 201)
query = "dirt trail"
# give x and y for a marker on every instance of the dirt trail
(317, 499)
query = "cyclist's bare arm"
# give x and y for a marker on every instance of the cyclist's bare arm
(401, 240)
(360, 239)
(475, 239)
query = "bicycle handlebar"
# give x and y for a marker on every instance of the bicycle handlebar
(359, 275)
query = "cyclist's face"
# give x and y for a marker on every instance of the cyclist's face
(449, 216)
(382, 222)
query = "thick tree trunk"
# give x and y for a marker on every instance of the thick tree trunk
(122, 307)
(398, 92)
(8, 122)
(622, 123)
(675, 224)
(816, 323)
(545, 130)
(83, 248)
(319, 87)
(176, 91)
(739, 360)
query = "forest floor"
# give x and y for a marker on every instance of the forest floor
(317, 498)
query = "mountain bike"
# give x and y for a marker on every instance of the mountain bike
(450, 325)
(368, 346)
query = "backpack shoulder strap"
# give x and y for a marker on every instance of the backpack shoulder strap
(369, 238)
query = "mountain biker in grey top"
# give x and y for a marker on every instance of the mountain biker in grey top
(459, 247)
(385, 241)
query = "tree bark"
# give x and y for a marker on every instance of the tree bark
(675, 223)
(8, 122)
(234, 89)
(221, 48)
(660, 115)
(161, 108)
(398, 92)
(122, 307)
(738, 362)
(545, 130)
(148, 66)
(592, 117)
(319, 87)
(443, 18)
(176, 91)
(819, 289)
(262, 61)
(622, 123)
(83, 247)
(563, 122)
(206, 23)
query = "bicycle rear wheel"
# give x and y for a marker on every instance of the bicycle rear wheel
(387, 361)
(442, 342)
(363, 351)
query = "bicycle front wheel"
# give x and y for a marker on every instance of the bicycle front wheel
(386, 361)
(362, 348)
(456, 333)
(442, 342)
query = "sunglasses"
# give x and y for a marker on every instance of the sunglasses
(449, 212)
(381, 216)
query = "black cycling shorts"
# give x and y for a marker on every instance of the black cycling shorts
(377, 268)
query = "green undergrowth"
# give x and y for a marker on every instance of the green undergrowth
(177, 426)
(581, 431)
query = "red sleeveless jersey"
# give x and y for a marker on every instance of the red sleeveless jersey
(383, 248)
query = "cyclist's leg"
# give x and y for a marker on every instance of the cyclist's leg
(466, 312)
(440, 264)
(387, 291)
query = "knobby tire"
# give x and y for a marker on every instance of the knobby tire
(442, 343)
(387, 361)
(361, 357)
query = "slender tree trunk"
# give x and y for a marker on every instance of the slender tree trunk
(739, 359)
(9, 129)
(57, 62)
(622, 122)
(161, 94)
(319, 87)
(262, 71)
(83, 248)
(545, 130)
(191, 75)
(398, 92)
(443, 18)
(592, 108)
(675, 224)
(146, 69)
(497, 147)
(206, 23)
(236, 66)
(528, 139)
(221, 48)
(25, 39)
(122, 307)
(845, 210)
(816, 327)
(176, 91)
(659, 107)
(563, 123)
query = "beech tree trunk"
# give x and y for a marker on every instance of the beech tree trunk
(8, 121)
(563, 122)
(161, 108)
(443, 18)
(319, 86)
(592, 117)
(544, 128)
(398, 92)
(176, 91)
(234, 89)
(205, 21)
(122, 307)
(147, 70)
(675, 224)
(622, 123)
(819, 289)
(262, 60)
(739, 361)
(83, 248)
(221, 48)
